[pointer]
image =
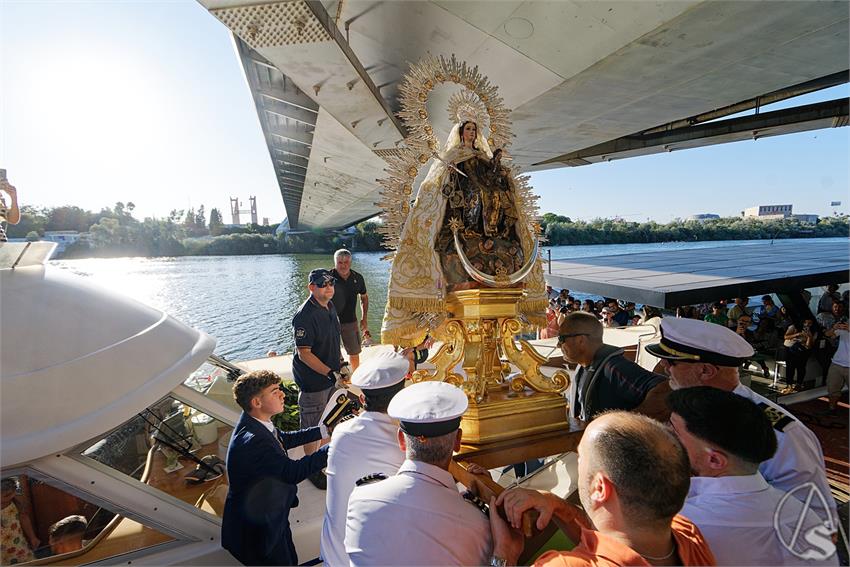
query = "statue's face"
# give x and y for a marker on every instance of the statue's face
(470, 130)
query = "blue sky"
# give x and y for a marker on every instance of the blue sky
(146, 102)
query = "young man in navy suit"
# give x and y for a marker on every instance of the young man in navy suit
(263, 479)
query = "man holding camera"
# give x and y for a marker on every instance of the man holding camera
(9, 214)
(317, 365)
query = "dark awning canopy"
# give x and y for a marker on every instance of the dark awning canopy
(671, 278)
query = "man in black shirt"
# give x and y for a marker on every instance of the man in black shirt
(605, 379)
(317, 361)
(350, 284)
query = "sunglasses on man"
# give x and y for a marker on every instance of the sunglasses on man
(563, 338)
(327, 282)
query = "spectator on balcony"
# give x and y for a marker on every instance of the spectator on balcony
(827, 299)
(717, 315)
(740, 308)
(768, 308)
(799, 346)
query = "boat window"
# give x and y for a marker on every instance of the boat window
(203, 378)
(173, 448)
(46, 525)
(215, 381)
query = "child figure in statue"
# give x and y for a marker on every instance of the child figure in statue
(480, 194)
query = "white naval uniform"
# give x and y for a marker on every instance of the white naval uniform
(736, 516)
(417, 517)
(798, 459)
(364, 445)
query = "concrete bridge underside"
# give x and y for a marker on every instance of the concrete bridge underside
(587, 81)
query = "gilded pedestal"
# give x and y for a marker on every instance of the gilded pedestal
(509, 395)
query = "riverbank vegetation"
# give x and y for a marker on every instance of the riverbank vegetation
(560, 230)
(113, 232)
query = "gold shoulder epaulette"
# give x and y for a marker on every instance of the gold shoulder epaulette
(778, 419)
(370, 478)
(477, 502)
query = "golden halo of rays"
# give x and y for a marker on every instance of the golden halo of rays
(420, 143)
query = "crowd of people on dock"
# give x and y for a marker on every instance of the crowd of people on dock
(611, 312)
(768, 327)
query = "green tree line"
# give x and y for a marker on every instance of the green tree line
(560, 230)
(116, 232)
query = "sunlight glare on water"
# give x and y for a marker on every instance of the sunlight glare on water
(245, 302)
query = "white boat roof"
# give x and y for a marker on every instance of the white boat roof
(77, 360)
(671, 278)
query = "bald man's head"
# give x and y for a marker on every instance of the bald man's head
(644, 461)
(582, 322)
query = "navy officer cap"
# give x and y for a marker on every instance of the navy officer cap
(690, 340)
(321, 277)
(381, 372)
(428, 409)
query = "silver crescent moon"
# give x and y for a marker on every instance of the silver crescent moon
(487, 279)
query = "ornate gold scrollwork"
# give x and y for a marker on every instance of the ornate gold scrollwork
(483, 367)
(529, 361)
(447, 358)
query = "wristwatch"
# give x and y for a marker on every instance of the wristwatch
(496, 561)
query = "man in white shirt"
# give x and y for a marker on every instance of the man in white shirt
(418, 517)
(697, 353)
(744, 519)
(361, 446)
(839, 370)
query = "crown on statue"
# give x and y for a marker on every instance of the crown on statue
(466, 106)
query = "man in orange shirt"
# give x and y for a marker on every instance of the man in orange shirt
(633, 477)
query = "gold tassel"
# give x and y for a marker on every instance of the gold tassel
(406, 336)
(537, 320)
(419, 304)
(533, 305)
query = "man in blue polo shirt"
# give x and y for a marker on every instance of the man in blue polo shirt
(317, 361)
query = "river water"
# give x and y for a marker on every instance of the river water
(247, 302)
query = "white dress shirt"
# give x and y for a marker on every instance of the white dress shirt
(273, 430)
(798, 459)
(364, 445)
(416, 517)
(736, 516)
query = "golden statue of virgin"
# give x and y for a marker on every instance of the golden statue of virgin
(465, 266)
(471, 223)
